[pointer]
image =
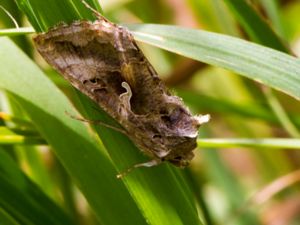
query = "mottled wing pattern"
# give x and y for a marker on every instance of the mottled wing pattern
(103, 61)
(85, 56)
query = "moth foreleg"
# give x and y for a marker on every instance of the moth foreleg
(97, 122)
(153, 162)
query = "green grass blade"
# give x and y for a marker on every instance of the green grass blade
(15, 139)
(7, 22)
(7, 219)
(45, 14)
(265, 65)
(256, 27)
(16, 31)
(261, 32)
(270, 67)
(23, 200)
(224, 179)
(74, 145)
(204, 103)
(28, 155)
(271, 143)
(272, 9)
(19, 137)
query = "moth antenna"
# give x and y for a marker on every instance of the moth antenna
(151, 163)
(97, 122)
(97, 14)
(10, 16)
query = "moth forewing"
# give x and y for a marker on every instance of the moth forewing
(103, 61)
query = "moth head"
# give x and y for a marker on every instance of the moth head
(177, 133)
(178, 150)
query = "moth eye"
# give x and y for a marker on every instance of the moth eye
(163, 111)
(166, 119)
(178, 158)
(94, 80)
(156, 136)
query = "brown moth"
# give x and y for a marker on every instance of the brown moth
(102, 60)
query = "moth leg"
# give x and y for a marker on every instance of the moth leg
(97, 122)
(162, 154)
(151, 163)
(126, 96)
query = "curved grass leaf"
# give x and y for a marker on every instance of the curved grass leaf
(270, 67)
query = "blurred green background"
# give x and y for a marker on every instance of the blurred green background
(54, 170)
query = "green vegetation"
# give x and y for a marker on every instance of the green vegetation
(57, 170)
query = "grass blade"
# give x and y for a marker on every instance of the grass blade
(261, 32)
(256, 27)
(23, 200)
(272, 143)
(265, 65)
(16, 31)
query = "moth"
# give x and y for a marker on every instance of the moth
(102, 60)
